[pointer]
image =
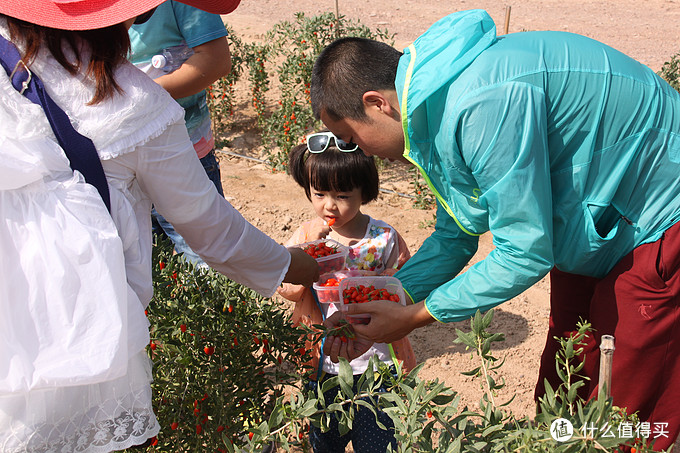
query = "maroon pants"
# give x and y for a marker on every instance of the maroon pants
(638, 303)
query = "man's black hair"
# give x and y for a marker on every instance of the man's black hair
(345, 70)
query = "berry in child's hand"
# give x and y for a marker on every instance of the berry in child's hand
(331, 222)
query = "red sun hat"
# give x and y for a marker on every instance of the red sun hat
(91, 14)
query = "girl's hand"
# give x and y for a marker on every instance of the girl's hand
(349, 348)
(318, 230)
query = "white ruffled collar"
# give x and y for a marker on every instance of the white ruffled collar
(117, 125)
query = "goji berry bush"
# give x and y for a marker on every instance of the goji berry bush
(221, 355)
(670, 72)
(282, 64)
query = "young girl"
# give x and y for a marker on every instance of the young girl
(338, 179)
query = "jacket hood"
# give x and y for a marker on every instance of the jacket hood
(439, 55)
(426, 70)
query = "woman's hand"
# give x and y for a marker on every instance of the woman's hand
(303, 269)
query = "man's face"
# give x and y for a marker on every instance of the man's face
(379, 136)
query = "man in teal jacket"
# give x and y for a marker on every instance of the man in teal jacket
(566, 150)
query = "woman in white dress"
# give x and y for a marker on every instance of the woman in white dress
(75, 279)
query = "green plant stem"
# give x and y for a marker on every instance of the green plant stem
(485, 372)
(445, 425)
(568, 382)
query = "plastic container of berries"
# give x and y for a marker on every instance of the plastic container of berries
(330, 254)
(361, 289)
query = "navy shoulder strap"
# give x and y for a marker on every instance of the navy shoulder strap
(79, 149)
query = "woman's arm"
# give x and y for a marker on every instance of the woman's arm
(171, 175)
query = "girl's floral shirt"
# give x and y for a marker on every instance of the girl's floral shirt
(374, 250)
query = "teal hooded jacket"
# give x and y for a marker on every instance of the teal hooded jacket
(565, 149)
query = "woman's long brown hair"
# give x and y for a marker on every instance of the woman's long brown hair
(109, 48)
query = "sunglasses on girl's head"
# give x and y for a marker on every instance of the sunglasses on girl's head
(318, 143)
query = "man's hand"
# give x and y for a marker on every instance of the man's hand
(349, 347)
(303, 269)
(389, 321)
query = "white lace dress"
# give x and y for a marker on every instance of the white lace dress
(75, 280)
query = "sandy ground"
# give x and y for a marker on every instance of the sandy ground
(645, 30)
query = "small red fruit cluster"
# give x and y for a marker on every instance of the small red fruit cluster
(331, 282)
(319, 250)
(330, 295)
(361, 293)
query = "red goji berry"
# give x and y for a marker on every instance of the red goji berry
(174, 425)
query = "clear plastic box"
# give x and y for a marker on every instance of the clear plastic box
(331, 294)
(391, 284)
(330, 263)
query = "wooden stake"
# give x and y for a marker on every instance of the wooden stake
(337, 19)
(507, 19)
(606, 356)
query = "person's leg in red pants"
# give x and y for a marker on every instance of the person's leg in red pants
(638, 303)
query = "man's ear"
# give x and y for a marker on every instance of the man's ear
(385, 102)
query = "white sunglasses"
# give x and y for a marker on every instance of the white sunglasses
(318, 143)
